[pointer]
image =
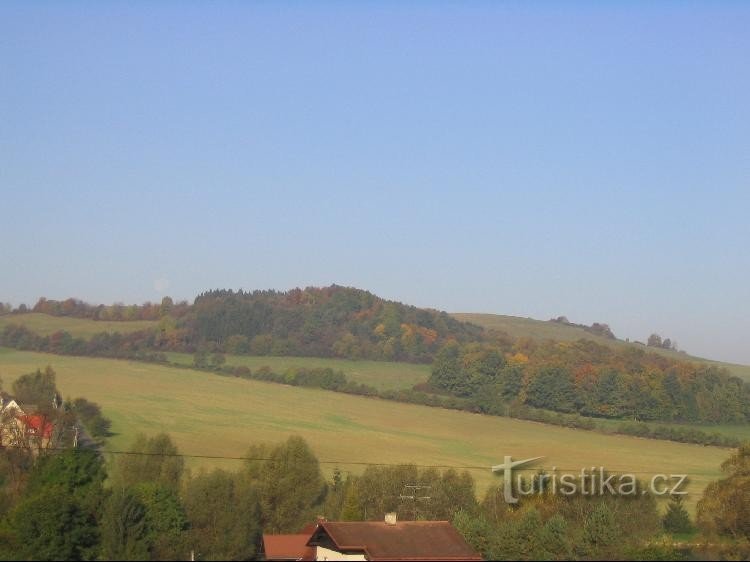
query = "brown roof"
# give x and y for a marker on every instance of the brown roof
(406, 540)
(288, 547)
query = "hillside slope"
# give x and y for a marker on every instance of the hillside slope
(518, 327)
(212, 415)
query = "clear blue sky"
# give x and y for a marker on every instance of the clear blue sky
(590, 159)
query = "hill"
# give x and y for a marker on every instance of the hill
(517, 327)
(513, 363)
(322, 322)
(330, 321)
(219, 416)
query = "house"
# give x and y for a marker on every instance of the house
(8, 404)
(372, 540)
(20, 429)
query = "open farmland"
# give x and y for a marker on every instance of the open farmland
(382, 375)
(45, 324)
(212, 415)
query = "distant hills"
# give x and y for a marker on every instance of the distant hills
(493, 363)
(539, 330)
(332, 321)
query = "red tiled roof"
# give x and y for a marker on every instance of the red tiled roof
(39, 424)
(406, 540)
(288, 547)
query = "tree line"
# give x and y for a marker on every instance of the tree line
(323, 322)
(589, 379)
(493, 390)
(491, 371)
(145, 505)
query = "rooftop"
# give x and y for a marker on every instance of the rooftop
(404, 540)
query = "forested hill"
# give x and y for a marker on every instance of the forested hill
(493, 369)
(330, 321)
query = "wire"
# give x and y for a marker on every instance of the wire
(352, 463)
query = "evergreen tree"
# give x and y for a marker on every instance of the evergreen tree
(600, 528)
(554, 537)
(52, 525)
(124, 532)
(165, 520)
(677, 519)
(351, 510)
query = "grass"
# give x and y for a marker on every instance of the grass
(390, 375)
(382, 375)
(739, 431)
(540, 330)
(44, 324)
(208, 414)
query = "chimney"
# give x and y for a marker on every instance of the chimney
(390, 518)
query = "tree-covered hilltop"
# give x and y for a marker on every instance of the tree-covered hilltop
(331, 321)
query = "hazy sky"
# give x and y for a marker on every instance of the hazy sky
(590, 159)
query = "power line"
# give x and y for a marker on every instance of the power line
(353, 463)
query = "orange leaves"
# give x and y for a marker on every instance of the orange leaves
(519, 358)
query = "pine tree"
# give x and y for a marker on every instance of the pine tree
(600, 528)
(351, 510)
(677, 519)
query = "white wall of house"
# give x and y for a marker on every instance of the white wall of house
(328, 554)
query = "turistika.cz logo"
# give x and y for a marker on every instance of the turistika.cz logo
(590, 481)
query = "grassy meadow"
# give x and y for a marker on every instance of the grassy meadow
(44, 324)
(382, 375)
(540, 330)
(208, 414)
(385, 375)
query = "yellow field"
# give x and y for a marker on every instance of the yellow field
(212, 415)
(44, 324)
(382, 375)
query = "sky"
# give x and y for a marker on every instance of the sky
(587, 159)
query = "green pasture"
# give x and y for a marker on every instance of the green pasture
(44, 324)
(209, 414)
(382, 375)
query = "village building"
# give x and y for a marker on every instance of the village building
(19, 428)
(372, 540)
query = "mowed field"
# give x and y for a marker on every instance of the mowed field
(540, 330)
(382, 375)
(208, 414)
(44, 324)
